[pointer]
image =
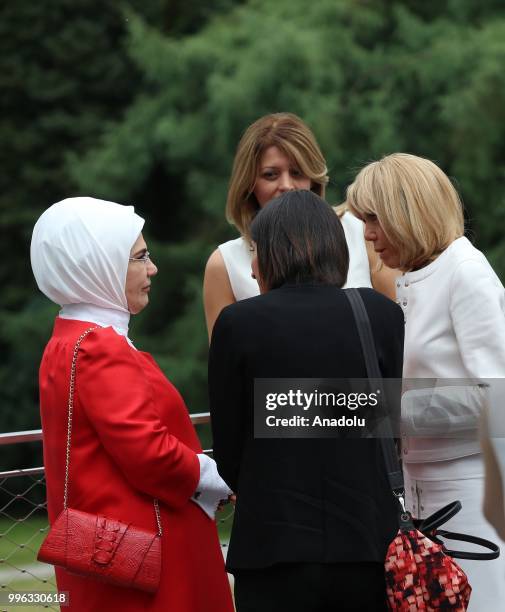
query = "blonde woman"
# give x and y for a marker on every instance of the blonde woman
(277, 153)
(454, 307)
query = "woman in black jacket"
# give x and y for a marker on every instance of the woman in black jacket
(314, 515)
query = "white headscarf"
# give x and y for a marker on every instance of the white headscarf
(79, 254)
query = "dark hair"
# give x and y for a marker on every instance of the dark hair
(299, 238)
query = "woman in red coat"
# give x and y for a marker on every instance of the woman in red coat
(132, 439)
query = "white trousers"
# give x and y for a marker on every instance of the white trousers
(424, 496)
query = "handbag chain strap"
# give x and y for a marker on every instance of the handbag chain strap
(69, 429)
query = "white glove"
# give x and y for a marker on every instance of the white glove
(211, 489)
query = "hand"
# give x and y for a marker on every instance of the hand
(212, 489)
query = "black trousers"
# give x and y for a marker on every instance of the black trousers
(312, 587)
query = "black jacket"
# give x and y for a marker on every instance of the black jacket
(300, 500)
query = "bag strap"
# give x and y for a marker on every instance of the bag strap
(439, 517)
(393, 468)
(429, 525)
(69, 428)
(463, 537)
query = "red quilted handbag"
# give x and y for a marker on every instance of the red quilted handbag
(98, 547)
(421, 573)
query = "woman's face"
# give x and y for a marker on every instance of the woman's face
(388, 253)
(276, 175)
(138, 277)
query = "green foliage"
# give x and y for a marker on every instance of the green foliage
(65, 76)
(146, 106)
(369, 77)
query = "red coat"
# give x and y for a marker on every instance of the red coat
(132, 440)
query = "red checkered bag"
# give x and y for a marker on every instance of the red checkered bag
(420, 575)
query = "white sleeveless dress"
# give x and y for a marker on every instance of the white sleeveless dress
(238, 256)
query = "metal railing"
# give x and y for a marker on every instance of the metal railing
(24, 523)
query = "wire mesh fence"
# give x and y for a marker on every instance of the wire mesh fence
(24, 525)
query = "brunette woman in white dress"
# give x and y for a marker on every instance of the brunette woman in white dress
(277, 153)
(454, 307)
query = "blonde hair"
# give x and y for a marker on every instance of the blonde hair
(293, 137)
(341, 209)
(416, 205)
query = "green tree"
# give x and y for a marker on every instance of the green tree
(64, 76)
(369, 77)
(146, 103)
